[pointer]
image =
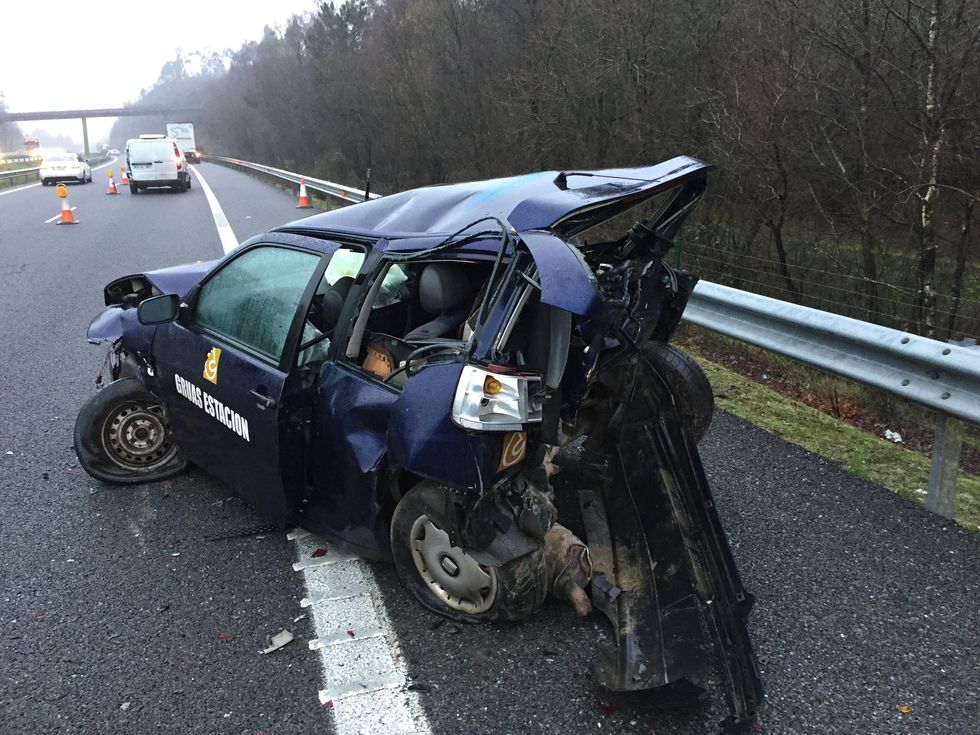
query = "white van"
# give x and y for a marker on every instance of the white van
(156, 161)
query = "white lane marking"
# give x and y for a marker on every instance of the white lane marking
(31, 186)
(106, 164)
(364, 675)
(57, 216)
(19, 188)
(228, 240)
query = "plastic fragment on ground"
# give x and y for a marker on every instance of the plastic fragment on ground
(277, 641)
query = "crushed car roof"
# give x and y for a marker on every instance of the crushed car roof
(535, 201)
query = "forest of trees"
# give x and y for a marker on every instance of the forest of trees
(846, 132)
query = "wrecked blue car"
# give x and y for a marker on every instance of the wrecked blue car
(399, 375)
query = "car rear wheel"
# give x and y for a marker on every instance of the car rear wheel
(133, 189)
(447, 579)
(122, 436)
(689, 385)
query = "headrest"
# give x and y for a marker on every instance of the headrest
(333, 301)
(444, 287)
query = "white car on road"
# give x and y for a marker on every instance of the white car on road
(64, 167)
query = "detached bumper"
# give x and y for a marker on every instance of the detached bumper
(664, 573)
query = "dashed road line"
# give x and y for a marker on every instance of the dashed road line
(57, 216)
(364, 675)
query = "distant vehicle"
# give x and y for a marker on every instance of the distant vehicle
(31, 143)
(156, 161)
(183, 133)
(113, 151)
(62, 166)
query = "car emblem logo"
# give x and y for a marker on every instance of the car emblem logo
(515, 447)
(211, 365)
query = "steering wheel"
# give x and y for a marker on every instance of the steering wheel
(315, 340)
(414, 355)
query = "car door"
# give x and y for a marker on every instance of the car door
(226, 366)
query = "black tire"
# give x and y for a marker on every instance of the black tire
(133, 189)
(510, 591)
(687, 382)
(45, 182)
(122, 436)
(188, 182)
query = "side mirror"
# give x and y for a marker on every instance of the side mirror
(158, 309)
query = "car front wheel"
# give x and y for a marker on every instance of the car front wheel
(122, 436)
(446, 579)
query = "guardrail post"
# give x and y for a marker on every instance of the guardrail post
(946, 449)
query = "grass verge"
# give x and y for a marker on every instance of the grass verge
(866, 455)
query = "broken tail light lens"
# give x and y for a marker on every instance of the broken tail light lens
(487, 401)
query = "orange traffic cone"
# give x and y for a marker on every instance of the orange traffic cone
(67, 216)
(112, 184)
(125, 181)
(304, 201)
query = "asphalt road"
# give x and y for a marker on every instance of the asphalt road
(118, 615)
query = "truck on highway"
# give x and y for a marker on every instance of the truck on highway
(183, 133)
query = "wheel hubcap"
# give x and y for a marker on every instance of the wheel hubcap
(454, 576)
(136, 437)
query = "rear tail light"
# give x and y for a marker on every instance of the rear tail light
(490, 401)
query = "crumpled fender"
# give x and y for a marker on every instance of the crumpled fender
(116, 322)
(423, 439)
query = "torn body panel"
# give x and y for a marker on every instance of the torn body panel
(655, 537)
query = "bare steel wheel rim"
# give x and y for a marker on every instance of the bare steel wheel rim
(455, 577)
(135, 437)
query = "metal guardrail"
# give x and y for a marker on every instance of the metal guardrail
(941, 376)
(347, 193)
(19, 172)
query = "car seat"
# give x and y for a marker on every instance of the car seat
(333, 303)
(446, 293)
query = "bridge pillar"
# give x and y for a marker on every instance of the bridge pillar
(85, 135)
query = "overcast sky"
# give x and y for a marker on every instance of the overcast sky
(101, 53)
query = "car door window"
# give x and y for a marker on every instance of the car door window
(328, 301)
(251, 302)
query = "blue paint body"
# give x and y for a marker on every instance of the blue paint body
(335, 448)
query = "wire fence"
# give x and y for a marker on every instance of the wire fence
(826, 281)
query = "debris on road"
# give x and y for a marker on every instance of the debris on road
(905, 709)
(277, 641)
(318, 553)
(224, 637)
